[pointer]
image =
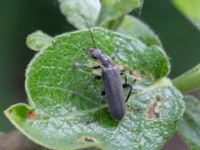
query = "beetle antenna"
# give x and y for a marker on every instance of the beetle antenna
(91, 34)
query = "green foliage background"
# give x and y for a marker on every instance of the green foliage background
(19, 18)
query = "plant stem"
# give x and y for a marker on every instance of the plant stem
(188, 81)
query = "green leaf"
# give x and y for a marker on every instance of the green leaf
(63, 111)
(80, 13)
(112, 12)
(38, 41)
(189, 126)
(134, 27)
(191, 9)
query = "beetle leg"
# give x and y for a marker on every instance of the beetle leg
(126, 84)
(83, 88)
(96, 67)
(99, 63)
(97, 77)
(122, 73)
(79, 66)
(130, 90)
(103, 93)
(112, 57)
(99, 109)
(125, 79)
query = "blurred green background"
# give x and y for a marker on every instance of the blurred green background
(20, 17)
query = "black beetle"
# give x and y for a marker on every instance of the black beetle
(112, 83)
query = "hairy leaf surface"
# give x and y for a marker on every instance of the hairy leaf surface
(189, 126)
(80, 13)
(113, 12)
(135, 28)
(64, 97)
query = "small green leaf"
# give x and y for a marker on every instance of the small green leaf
(113, 12)
(38, 41)
(80, 13)
(191, 9)
(64, 97)
(189, 126)
(134, 27)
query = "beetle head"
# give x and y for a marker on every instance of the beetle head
(94, 53)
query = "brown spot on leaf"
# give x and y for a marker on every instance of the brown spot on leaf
(153, 111)
(89, 139)
(137, 74)
(32, 115)
(122, 68)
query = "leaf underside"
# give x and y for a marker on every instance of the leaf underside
(189, 126)
(64, 97)
(113, 12)
(134, 27)
(80, 13)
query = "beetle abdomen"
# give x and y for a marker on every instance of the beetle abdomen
(114, 92)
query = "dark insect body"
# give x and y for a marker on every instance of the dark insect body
(112, 84)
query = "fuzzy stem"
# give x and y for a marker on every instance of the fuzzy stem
(188, 81)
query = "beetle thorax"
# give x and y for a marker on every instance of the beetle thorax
(98, 55)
